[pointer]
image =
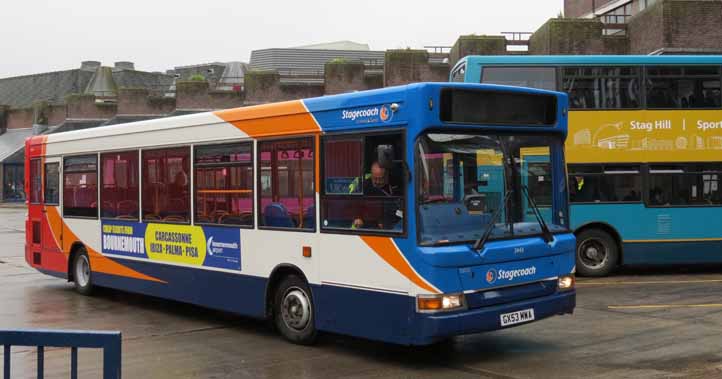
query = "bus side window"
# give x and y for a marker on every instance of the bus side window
(36, 181)
(361, 191)
(119, 185)
(224, 184)
(52, 183)
(286, 182)
(166, 185)
(80, 186)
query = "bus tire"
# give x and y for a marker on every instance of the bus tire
(597, 253)
(82, 273)
(293, 311)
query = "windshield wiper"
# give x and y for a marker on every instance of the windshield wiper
(546, 233)
(479, 244)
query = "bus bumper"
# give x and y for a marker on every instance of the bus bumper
(434, 327)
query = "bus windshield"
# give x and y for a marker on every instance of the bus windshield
(462, 180)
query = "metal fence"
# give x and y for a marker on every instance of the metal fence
(110, 342)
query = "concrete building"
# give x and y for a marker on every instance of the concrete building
(50, 102)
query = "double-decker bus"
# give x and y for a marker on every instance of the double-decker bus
(363, 214)
(644, 153)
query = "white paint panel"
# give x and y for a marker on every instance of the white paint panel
(197, 128)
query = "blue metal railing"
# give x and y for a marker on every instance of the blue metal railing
(74, 339)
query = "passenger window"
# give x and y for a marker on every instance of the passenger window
(694, 87)
(80, 186)
(364, 183)
(286, 182)
(533, 77)
(52, 183)
(119, 185)
(224, 184)
(604, 184)
(602, 87)
(36, 181)
(166, 185)
(679, 185)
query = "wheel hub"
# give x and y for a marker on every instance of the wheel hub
(296, 309)
(593, 253)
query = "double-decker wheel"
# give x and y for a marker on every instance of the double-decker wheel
(597, 253)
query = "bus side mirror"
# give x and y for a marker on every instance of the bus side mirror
(385, 155)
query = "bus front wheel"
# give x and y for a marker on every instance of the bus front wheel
(82, 274)
(597, 253)
(293, 311)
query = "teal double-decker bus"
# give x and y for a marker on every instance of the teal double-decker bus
(644, 152)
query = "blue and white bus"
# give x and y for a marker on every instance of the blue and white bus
(644, 153)
(400, 214)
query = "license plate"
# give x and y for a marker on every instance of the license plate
(517, 317)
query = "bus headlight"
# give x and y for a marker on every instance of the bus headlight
(440, 303)
(566, 282)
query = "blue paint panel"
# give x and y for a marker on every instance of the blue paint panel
(434, 327)
(393, 318)
(367, 314)
(241, 294)
(673, 252)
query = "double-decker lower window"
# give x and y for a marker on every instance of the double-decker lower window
(685, 185)
(119, 183)
(604, 184)
(286, 182)
(166, 185)
(224, 184)
(80, 186)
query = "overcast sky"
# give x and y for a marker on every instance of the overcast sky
(47, 35)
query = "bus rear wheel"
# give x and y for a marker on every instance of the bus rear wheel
(82, 273)
(293, 311)
(597, 253)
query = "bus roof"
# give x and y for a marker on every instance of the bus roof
(313, 115)
(591, 59)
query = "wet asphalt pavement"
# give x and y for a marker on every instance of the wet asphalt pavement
(640, 323)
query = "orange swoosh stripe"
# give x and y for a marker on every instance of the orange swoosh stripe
(385, 248)
(277, 119)
(98, 262)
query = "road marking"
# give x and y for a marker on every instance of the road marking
(658, 306)
(585, 283)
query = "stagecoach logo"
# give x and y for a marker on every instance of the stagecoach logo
(368, 115)
(491, 276)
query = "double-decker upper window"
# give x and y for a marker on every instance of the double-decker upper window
(675, 87)
(166, 185)
(119, 184)
(606, 87)
(532, 77)
(224, 184)
(80, 186)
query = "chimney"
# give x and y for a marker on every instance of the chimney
(89, 65)
(124, 65)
